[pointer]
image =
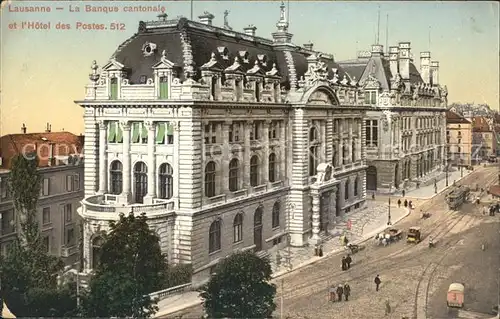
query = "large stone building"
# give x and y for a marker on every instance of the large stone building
(484, 139)
(225, 140)
(458, 139)
(406, 125)
(61, 167)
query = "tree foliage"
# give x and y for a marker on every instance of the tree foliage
(240, 288)
(28, 274)
(131, 266)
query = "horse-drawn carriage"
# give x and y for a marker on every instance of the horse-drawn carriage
(390, 235)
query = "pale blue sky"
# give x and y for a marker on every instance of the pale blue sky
(50, 68)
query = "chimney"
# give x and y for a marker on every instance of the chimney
(206, 18)
(250, 30)
(48, 128)
(377, 50)
(23, 129)
(425, 64)
(404, 60)
(162, 17)
(435, 73)
(309, 46)
(51, 160)
(393, 60)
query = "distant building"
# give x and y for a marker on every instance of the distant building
(405, 127)
(458, 139)
(61, 167)
(484, 139)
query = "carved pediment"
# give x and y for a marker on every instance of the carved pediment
(273, 72)
(236, 67)
(256, 70)
(213, 64)
(316, 71)
(371, 82)
(113, 65)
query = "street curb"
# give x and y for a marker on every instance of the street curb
(311, 261)
(441, 191)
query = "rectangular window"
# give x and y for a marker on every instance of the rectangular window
(68, 213)
(164, 133)
(113, 88)
(46, 243)
(371, 132)
(255, 132)
(230, 133)
(144, 134)
(70, 237)
(4, 190)
(164, 87)
(234, 132)
(336, 126)
(373, 98)
(46, 215)
(210, 133)
(367, 97)
(69, 183)
(46, 187)
(136, 132)
(76, 182)
(8, 222)
(115, 133)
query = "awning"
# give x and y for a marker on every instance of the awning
(6, 312)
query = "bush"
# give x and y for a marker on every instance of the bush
(178, 275)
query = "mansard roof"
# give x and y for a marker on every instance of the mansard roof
(378, 67)
(189, 43)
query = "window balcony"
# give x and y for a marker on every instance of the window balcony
(108, 208)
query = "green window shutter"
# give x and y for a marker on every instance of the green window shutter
(119, 133)
(114, 91)
(135, 132)
(367, 97)
(163, 88)
(374, 97)
(111, 132)
(170, 129)
(144, 133)
(160, 135)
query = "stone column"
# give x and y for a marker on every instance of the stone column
(360, 140)
(103, 164)
(91, 169)
(246, 161)
(323, 146)
(226, 149)
(126, 161)
(341, 142)
(315, 239)
(87, 245)
(151, 162)
(329, 145)
(264, 176)
(351, 140)
(283, 153)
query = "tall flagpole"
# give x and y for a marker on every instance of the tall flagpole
(387, 33)
(288, 11)
(378, 26)
(191, 10)
(429, 38)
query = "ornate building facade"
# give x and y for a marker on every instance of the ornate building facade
(225, 140)
(406, 125)
(458, 139)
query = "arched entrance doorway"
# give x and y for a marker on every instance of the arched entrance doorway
(371, 178)
(257, 229)
(97, 243)
(396, 176)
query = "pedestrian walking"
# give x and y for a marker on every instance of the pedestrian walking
(347, 291)
(404, 193)
(399, 202)
(410, 204)
(344, 263)
(405, 203)
(387, 307)
(377, 282)
(340, 291)
(332, 296)
(348, 261)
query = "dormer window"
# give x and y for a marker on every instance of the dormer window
(371, 97)
(224, 52)
(148, 49)
(164, 87)
(113, 89)
(244, 56)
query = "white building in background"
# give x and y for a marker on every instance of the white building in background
(225, 140)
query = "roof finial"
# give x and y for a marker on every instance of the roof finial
(226, 23)
(94, 77)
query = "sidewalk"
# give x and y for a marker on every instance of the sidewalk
(365, 224)
(428, 192)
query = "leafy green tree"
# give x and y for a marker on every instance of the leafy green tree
(240, 288)
(27, 273)
(131, 266)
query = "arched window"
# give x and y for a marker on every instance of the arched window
(97, 243)
(356, 184)
(141, 181)
(346, 190)
(313, 151)
(234, 173)
(116, 173)
(210, 179)
(276, 215)
(272, 167)
(214, 237)
(238, 228)
(254, 171)
(166, 181)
